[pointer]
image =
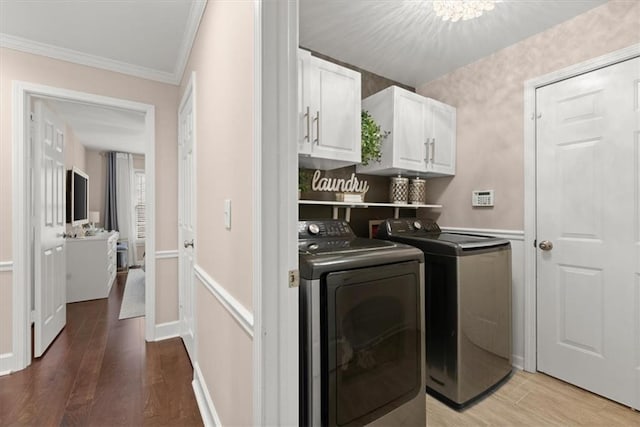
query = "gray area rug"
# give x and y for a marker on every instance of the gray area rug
(133, 298)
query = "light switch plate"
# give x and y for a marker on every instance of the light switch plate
(227, 214)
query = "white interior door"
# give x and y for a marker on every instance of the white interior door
(49, 226)
(588, 206)
(186, 220)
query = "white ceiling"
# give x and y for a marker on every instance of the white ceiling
(405, 41)
(399, 39)
(103, 128)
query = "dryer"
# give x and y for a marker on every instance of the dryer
(361, 329)
(467, 308)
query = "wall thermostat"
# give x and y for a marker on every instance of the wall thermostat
(482, 198)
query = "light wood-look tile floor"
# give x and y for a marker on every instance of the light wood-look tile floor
(535, 400)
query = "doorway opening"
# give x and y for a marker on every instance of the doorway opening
(24, 94)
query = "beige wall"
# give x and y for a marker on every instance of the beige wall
(222, 58)
(489, 97)
(96, 168)
(75, 153)
(41, 70)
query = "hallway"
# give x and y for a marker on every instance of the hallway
(99, 371)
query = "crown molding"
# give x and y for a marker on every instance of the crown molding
(69, 55)
(191, 30)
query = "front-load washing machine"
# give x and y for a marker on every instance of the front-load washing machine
(467, 308)
(361, 329)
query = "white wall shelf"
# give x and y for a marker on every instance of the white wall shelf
(349, 205)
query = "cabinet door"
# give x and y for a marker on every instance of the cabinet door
(409, 141)
(335, 123)
(304, 102)
(442, 149)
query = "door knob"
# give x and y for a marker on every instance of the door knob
(187, 244)
(545, 245)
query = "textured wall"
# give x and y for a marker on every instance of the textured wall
(489, 97)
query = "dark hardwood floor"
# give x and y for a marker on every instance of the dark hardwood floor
(100, 372)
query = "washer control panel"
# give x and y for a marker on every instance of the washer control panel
(334, 228)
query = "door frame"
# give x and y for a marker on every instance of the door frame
(22, 92)
(190, 90)
(275, 207)
(530, 197)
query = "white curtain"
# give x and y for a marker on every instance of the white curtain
(125, 179)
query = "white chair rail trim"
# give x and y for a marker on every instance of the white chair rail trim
(167, 254)
(239, 312)
(6, 266)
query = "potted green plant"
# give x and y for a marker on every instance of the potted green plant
(372, 137)
(304, 181)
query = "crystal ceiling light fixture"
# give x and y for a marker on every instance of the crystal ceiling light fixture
(455, 10)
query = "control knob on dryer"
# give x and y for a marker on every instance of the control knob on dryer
(417, 225)
(313, 229)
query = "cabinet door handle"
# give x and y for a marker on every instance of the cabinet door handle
(426, 151)
(308, 116)
(317, 120)
(433, 149)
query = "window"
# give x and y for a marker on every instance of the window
(139, 207)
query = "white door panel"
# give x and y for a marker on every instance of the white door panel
(588, 185)
(186, 222)
(335, 121)
(49, 219)
(442, 156)
(410, 127)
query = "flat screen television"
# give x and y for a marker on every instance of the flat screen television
(77, 197)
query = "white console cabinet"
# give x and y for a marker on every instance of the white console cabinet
(91, 266)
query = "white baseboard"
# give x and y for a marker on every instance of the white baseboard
(208, 412)
(167, 330)
(517, 362)
(6, 363)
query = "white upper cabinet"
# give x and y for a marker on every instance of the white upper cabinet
(442, 154)
(422, 138)
(329, 113)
